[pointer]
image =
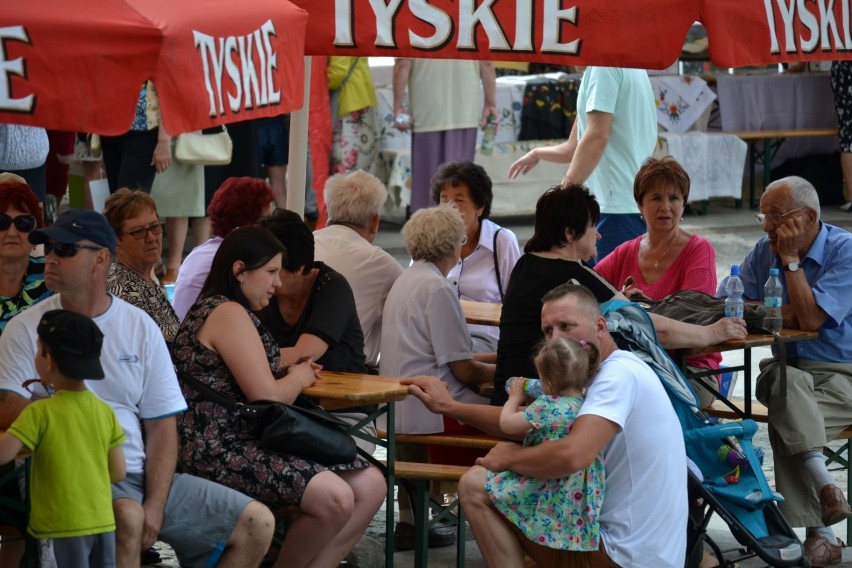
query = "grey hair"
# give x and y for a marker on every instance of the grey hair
(432, 234)
(802, 191)
(354, 198)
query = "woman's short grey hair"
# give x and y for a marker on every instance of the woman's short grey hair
(354, 198)
(802, 191)
(434, 233)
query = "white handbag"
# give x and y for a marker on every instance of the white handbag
(197, 148)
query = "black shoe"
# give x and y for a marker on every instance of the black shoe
(440, 534)
(150, 556)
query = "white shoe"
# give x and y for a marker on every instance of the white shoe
(846, 206)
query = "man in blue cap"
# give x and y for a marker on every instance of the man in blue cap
(152, 502)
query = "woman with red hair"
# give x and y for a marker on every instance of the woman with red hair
(21, 276)
(239, 201)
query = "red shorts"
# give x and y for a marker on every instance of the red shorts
(450, 455)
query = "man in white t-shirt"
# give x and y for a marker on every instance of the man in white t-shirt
(353, 202)
(627, 417)
(205, 523)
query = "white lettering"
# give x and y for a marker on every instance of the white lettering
(437, 18)
(552, 25)
(250, 62)
(13, 67)
(523, 26)
(470, 16)
(787, 13)
(827, 21)
(847, 38)
(770, 20)
(810, 22)
(384, 21)
(343, 23)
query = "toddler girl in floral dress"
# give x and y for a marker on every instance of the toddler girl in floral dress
(556, 513)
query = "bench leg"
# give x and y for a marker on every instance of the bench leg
(460, 542)
(421, 523)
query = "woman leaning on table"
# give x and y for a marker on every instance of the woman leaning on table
(222, 344)
(667, 258)
(491, 251)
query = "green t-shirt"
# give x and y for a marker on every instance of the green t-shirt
(70, 436)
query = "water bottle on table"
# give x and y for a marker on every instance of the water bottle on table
(532, 387)
(773, 290)
(734, 305)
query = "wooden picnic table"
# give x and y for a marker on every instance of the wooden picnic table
(751, 341)
(336, 391)
(483, 313)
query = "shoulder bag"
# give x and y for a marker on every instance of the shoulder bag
(202, 149)
(334, 94)
(305, 430)
(691, 306)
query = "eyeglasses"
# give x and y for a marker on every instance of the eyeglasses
(23, 223)
(464, 240)
(66, 250)
(774, 217)
(38, 388)
(155, 229)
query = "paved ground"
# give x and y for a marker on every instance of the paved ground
(732, 232)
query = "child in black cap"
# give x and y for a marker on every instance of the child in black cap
(76, 441)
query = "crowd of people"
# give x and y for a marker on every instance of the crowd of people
(267, 303)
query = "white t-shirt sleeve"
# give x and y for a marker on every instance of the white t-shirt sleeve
(602, 91)
(612, 394)
(161, 396)
(17, 350)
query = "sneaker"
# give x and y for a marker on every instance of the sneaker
(150, 556)
(440, 535)
(820, 552)
(846, 206)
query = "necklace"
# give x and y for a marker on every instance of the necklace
(662, 256)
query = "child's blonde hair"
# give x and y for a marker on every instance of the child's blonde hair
(565, 363)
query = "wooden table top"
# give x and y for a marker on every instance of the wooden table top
(791, 133)
(481, 312)
(340, 390)
(756, 340)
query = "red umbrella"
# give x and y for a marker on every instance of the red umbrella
(79, 65)
(613, 33)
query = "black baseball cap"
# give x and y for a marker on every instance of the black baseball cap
(75, 225)
(75, 342)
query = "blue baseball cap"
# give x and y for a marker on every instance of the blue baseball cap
(75, 225)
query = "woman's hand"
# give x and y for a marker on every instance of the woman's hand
(162, 158)
(305, 371)
(726, 329)
(523, 165)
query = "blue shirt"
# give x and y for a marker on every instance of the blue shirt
(828, 268)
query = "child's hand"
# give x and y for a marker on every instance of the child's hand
(517, 393)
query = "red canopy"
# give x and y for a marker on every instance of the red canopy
(615, 33)
(79, 65)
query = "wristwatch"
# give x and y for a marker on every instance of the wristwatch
(792, 267)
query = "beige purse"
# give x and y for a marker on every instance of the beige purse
(197, 148)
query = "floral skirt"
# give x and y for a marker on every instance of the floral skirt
(356, 141)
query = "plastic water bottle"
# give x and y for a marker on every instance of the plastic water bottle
(773, 290)
(734, 307)
(532, 386)
(488, 136)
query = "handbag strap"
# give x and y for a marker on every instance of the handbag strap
(497, 264)
(207, 393)
(348, 74)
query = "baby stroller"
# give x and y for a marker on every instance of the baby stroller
(736, 488)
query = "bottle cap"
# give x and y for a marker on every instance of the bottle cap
(735, 270)
(773, 272)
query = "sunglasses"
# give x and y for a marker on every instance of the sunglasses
(66, 250)
(23, 223)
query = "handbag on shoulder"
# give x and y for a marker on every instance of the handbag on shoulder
(204, 149)
(301, 429)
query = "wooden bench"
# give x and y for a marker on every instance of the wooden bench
(420, 476)
(759, 413)
(772, 140)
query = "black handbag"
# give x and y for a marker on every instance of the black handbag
(301, 429)
(691, 306)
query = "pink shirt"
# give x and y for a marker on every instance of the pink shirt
(693, 269)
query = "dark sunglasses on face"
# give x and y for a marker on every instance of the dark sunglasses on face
(66, 250)
(23, 223)
(139, 234)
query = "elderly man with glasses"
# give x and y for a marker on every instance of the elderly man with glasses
(816, 263)
(141, 387)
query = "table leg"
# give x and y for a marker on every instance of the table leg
(389, 505)
(747, 379)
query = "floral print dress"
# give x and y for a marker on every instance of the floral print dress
(213, 445)
(556, 513)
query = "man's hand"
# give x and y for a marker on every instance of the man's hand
(153, 523)
(792, 238)
(487, 112)
(498, 459)
(431, 391)
(726, 329)
(523, 165)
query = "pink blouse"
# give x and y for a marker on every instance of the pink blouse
(693, 269)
